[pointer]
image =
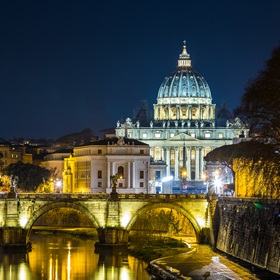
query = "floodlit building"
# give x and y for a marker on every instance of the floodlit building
(12, 154)
(184, 127)
(91, 166)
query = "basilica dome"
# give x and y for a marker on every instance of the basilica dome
(184, 95)
(185, 81)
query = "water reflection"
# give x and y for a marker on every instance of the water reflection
(14, 266)
(66, 258)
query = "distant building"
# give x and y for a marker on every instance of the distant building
(55, 161)
(13, 154)
(184, 127)
(91, 165)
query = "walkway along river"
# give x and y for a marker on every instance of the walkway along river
(202, 263)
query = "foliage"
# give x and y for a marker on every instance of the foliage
(1, 162)
(158, 249)
(155, 225)
(5, 182)
(257, 164)
(253, 150)
(260, 103)
(29, 176)
(258, 178)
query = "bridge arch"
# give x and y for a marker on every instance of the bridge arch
(177, 207)
(55, 205)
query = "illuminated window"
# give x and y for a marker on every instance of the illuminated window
(157, 153)
(99, 174)
(172, 134)
(207, 135)
(144, 135)
(192, 154)
(221, 135)
(120, 172)
(157, 135)
(141, 174)
(192, 134)
(172, 155)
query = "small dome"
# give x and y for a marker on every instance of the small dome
(185, 81)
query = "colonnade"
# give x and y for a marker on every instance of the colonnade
(194, 161)
(189, 112)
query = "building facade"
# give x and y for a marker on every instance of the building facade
(92, 165)
(184, 127)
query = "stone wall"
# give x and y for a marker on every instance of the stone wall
(249, 229)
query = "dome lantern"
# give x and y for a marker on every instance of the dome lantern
(184, 58)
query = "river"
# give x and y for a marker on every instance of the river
(62, 257)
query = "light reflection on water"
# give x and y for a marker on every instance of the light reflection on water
(66, 258)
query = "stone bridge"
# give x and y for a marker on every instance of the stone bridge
(113, 217)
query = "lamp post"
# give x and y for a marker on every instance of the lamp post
(58, 185)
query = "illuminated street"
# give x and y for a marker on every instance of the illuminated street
(206, 264)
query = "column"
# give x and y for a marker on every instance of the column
(196, 163)
(128, 175)
(162, 154)
(108, 175)
(133, 175)
(201, 161)
(113, 168)
(176, 163)
(167, 161)
(189, 163)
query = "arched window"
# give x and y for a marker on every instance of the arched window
(120, 172)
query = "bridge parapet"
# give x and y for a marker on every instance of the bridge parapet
(55, 196)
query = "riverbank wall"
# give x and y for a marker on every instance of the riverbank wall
(248, 229)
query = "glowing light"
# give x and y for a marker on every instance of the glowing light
(23, 220)
(217, 182)
(124, 274)
(69, 263)
(125, 219)
(200, 221)
(23, 271)
(166, 179)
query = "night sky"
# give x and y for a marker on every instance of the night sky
(70, 65)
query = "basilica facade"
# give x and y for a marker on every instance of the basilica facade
(183, 128)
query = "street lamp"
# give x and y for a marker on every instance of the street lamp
(58, 185)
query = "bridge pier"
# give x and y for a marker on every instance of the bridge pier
(112, 236)
(13, 238)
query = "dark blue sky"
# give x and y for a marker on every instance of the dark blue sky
(70, 65)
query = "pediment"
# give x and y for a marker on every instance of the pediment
(182, 137)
